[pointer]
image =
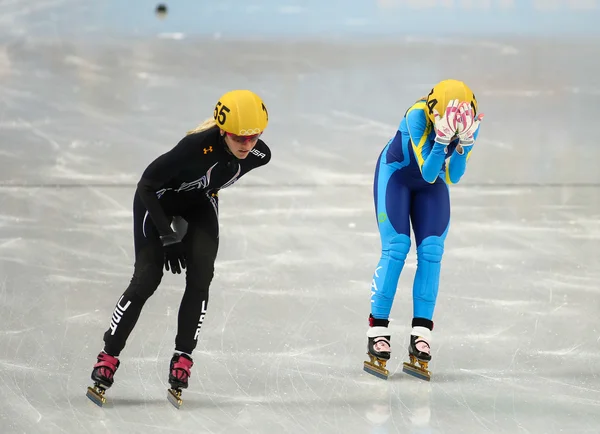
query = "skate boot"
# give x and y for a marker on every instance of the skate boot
(180, 372)
(378, 348)
(419, 353)
(103, 377)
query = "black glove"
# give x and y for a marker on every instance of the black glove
(174, 253)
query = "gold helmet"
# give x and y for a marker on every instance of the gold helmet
(241, 112)
(445, 91)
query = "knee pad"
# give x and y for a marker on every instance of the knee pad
(200, 272)
(399, 246)
(145, 281)
(431, 249)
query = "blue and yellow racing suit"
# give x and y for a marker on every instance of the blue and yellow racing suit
(411, 185)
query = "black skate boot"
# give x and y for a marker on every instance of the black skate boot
(419, 352)
(103, 377)
(378, 347)
(180, 372)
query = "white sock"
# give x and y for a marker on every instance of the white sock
(422, 332)
(374, 332)
(177, 352)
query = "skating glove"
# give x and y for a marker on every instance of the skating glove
(446, 126)
(174, 253)
(467, 124)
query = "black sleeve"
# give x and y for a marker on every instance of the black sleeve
(261, 154)
(156, 175)
(267, 151)
(258, 156)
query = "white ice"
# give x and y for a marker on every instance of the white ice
(88, 99)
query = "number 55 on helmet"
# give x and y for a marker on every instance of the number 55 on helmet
(241, 112)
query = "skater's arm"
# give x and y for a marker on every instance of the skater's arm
(429, 158)
(457, 164)
(156, 175)
(263, 154)
(433, 162)
(147, 189)
(259, 156)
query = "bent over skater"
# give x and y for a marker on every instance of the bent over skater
(429, 152)
(180, 189)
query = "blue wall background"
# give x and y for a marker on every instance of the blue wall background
(307, 18)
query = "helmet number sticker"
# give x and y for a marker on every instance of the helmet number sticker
(431, 102)
(221, 112)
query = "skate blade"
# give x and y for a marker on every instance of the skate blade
(416, 371)
(376, 370)
(96, 395)
(174, 397)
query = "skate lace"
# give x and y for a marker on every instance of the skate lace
(381, 345)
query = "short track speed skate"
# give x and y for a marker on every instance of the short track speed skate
(419, 354)
(180, 372)
(378, 348)
(103, 378)
(378, 359)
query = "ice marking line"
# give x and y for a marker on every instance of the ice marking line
(9, 242)
(562, 383)
(16, 366)
(79, 315)
(365, 121)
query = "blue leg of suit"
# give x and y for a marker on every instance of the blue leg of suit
(402, 198)
(430, 217)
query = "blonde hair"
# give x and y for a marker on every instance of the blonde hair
(206, 125)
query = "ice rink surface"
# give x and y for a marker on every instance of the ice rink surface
(91, 92)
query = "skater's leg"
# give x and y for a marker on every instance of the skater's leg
(147, 275)
(430, 215)
(146, 278)
(392, 206)
(201, 243)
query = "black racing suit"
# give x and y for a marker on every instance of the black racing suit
(183, 182)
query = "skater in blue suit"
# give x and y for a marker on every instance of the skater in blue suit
(429, 152)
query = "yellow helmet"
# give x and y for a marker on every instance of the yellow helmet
(241, 112)
(445, 91)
